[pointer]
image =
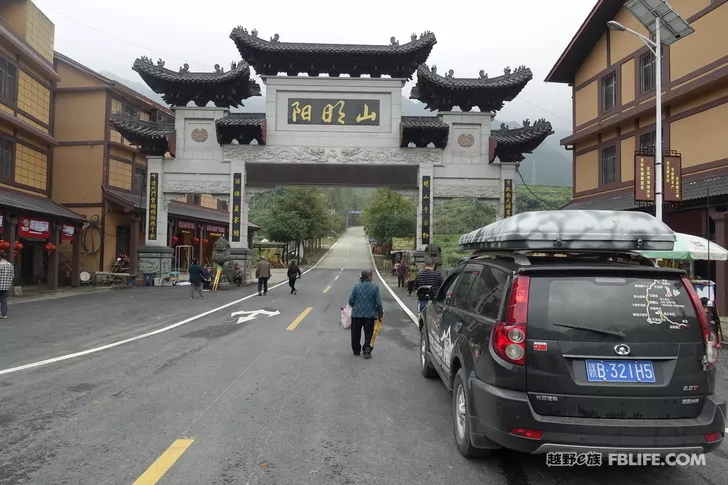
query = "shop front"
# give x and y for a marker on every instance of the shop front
(40, 238)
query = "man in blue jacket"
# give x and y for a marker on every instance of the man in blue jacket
(366, 304)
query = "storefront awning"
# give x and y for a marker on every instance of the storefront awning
(694, 188)
(176, 209)
(37, 205)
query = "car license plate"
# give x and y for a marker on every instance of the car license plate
(620, 371)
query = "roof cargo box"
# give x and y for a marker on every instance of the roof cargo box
(575, 230)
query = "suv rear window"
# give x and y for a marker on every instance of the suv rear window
(643, 309)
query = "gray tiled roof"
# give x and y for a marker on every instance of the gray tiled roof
(424, 122)
(145, 67)
(175, 208)
(517, 78)
(242, 119)
(624, 200)
(131, 125)
(242, 38)
(39, 205)
(540, 128)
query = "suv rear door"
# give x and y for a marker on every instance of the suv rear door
(617, 343)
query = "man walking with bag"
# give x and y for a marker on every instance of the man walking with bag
(366, 304)
(262, 272)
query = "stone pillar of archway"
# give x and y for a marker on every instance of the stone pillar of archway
(155, 256)
(238, 222)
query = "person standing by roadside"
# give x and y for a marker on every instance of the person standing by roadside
(411, 278)
(402, 268)
(294, 272)
(366, 306)
(195, 272)
(428, 277)
(7, 275)
(262, 272)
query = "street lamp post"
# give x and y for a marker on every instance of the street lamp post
(656, 15)
(656, 49)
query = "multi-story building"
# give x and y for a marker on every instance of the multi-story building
(33, 225)
(612, 75)
(101, 174)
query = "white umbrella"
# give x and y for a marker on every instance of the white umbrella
(690, 248)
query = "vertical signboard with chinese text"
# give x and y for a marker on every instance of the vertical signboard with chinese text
(426, 209)
(672, 181)
(153, 201)
(644, 178)
(237, 203)
(507, 197)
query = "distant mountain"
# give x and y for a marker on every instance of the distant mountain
(549, 164)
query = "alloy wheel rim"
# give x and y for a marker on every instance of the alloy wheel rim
(460, 410)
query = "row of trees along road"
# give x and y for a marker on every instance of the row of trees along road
(389, 215)
(304, 215)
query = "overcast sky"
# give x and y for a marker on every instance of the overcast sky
(471, 35)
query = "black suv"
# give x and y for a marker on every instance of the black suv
(581, 353)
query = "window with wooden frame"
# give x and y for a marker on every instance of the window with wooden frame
(196, 199)
(140, 179)
(609, 91)
(222, 205)
(130, 110)
(7, 155)
(609, 165)
(647, 142)
(8, 81)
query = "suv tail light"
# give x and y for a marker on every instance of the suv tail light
(509, 336)
(709, 336)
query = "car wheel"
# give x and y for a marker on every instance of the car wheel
(461, 419)
(426, 367)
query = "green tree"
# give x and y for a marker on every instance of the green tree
(459, 216)
(389, 215)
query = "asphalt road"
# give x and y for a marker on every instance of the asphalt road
(275, 399)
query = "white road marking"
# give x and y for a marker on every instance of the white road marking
(250, 315)
(391, 292)
(61, 358)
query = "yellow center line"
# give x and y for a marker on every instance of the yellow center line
(299, 319)
(326, 289)
(336, 278)
(164, 462)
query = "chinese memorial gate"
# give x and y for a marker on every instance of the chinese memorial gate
(326, 131)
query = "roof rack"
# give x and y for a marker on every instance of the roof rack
(523, 258)
(572, 231)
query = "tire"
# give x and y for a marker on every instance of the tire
(461, 419)
(426, 367)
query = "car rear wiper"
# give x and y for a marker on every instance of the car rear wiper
(589, 329)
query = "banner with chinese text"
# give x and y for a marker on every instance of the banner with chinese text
(153, 201)
(426, 209)
(507, 197)
(644, 178)
(672, 181)
(237, 203)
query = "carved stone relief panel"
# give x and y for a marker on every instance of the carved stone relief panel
(332, 155)
(196, 187)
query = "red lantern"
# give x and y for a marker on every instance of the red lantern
(18, 246)
(175, 240)
(195, 240)
(50, 247)
(4, 245)
(205, 241)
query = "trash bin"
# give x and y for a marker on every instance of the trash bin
(149, 279)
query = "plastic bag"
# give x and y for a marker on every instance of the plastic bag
(346, 317)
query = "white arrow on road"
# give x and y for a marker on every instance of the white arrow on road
(250, 315)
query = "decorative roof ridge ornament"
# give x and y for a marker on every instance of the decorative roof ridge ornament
(275, 39)
(504, 127)
(482, 74)
(450, 74)
(393, 41)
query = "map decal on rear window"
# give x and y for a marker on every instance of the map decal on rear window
(657, 303)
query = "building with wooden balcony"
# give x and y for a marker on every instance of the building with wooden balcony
(33, 225)
(613, 80)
